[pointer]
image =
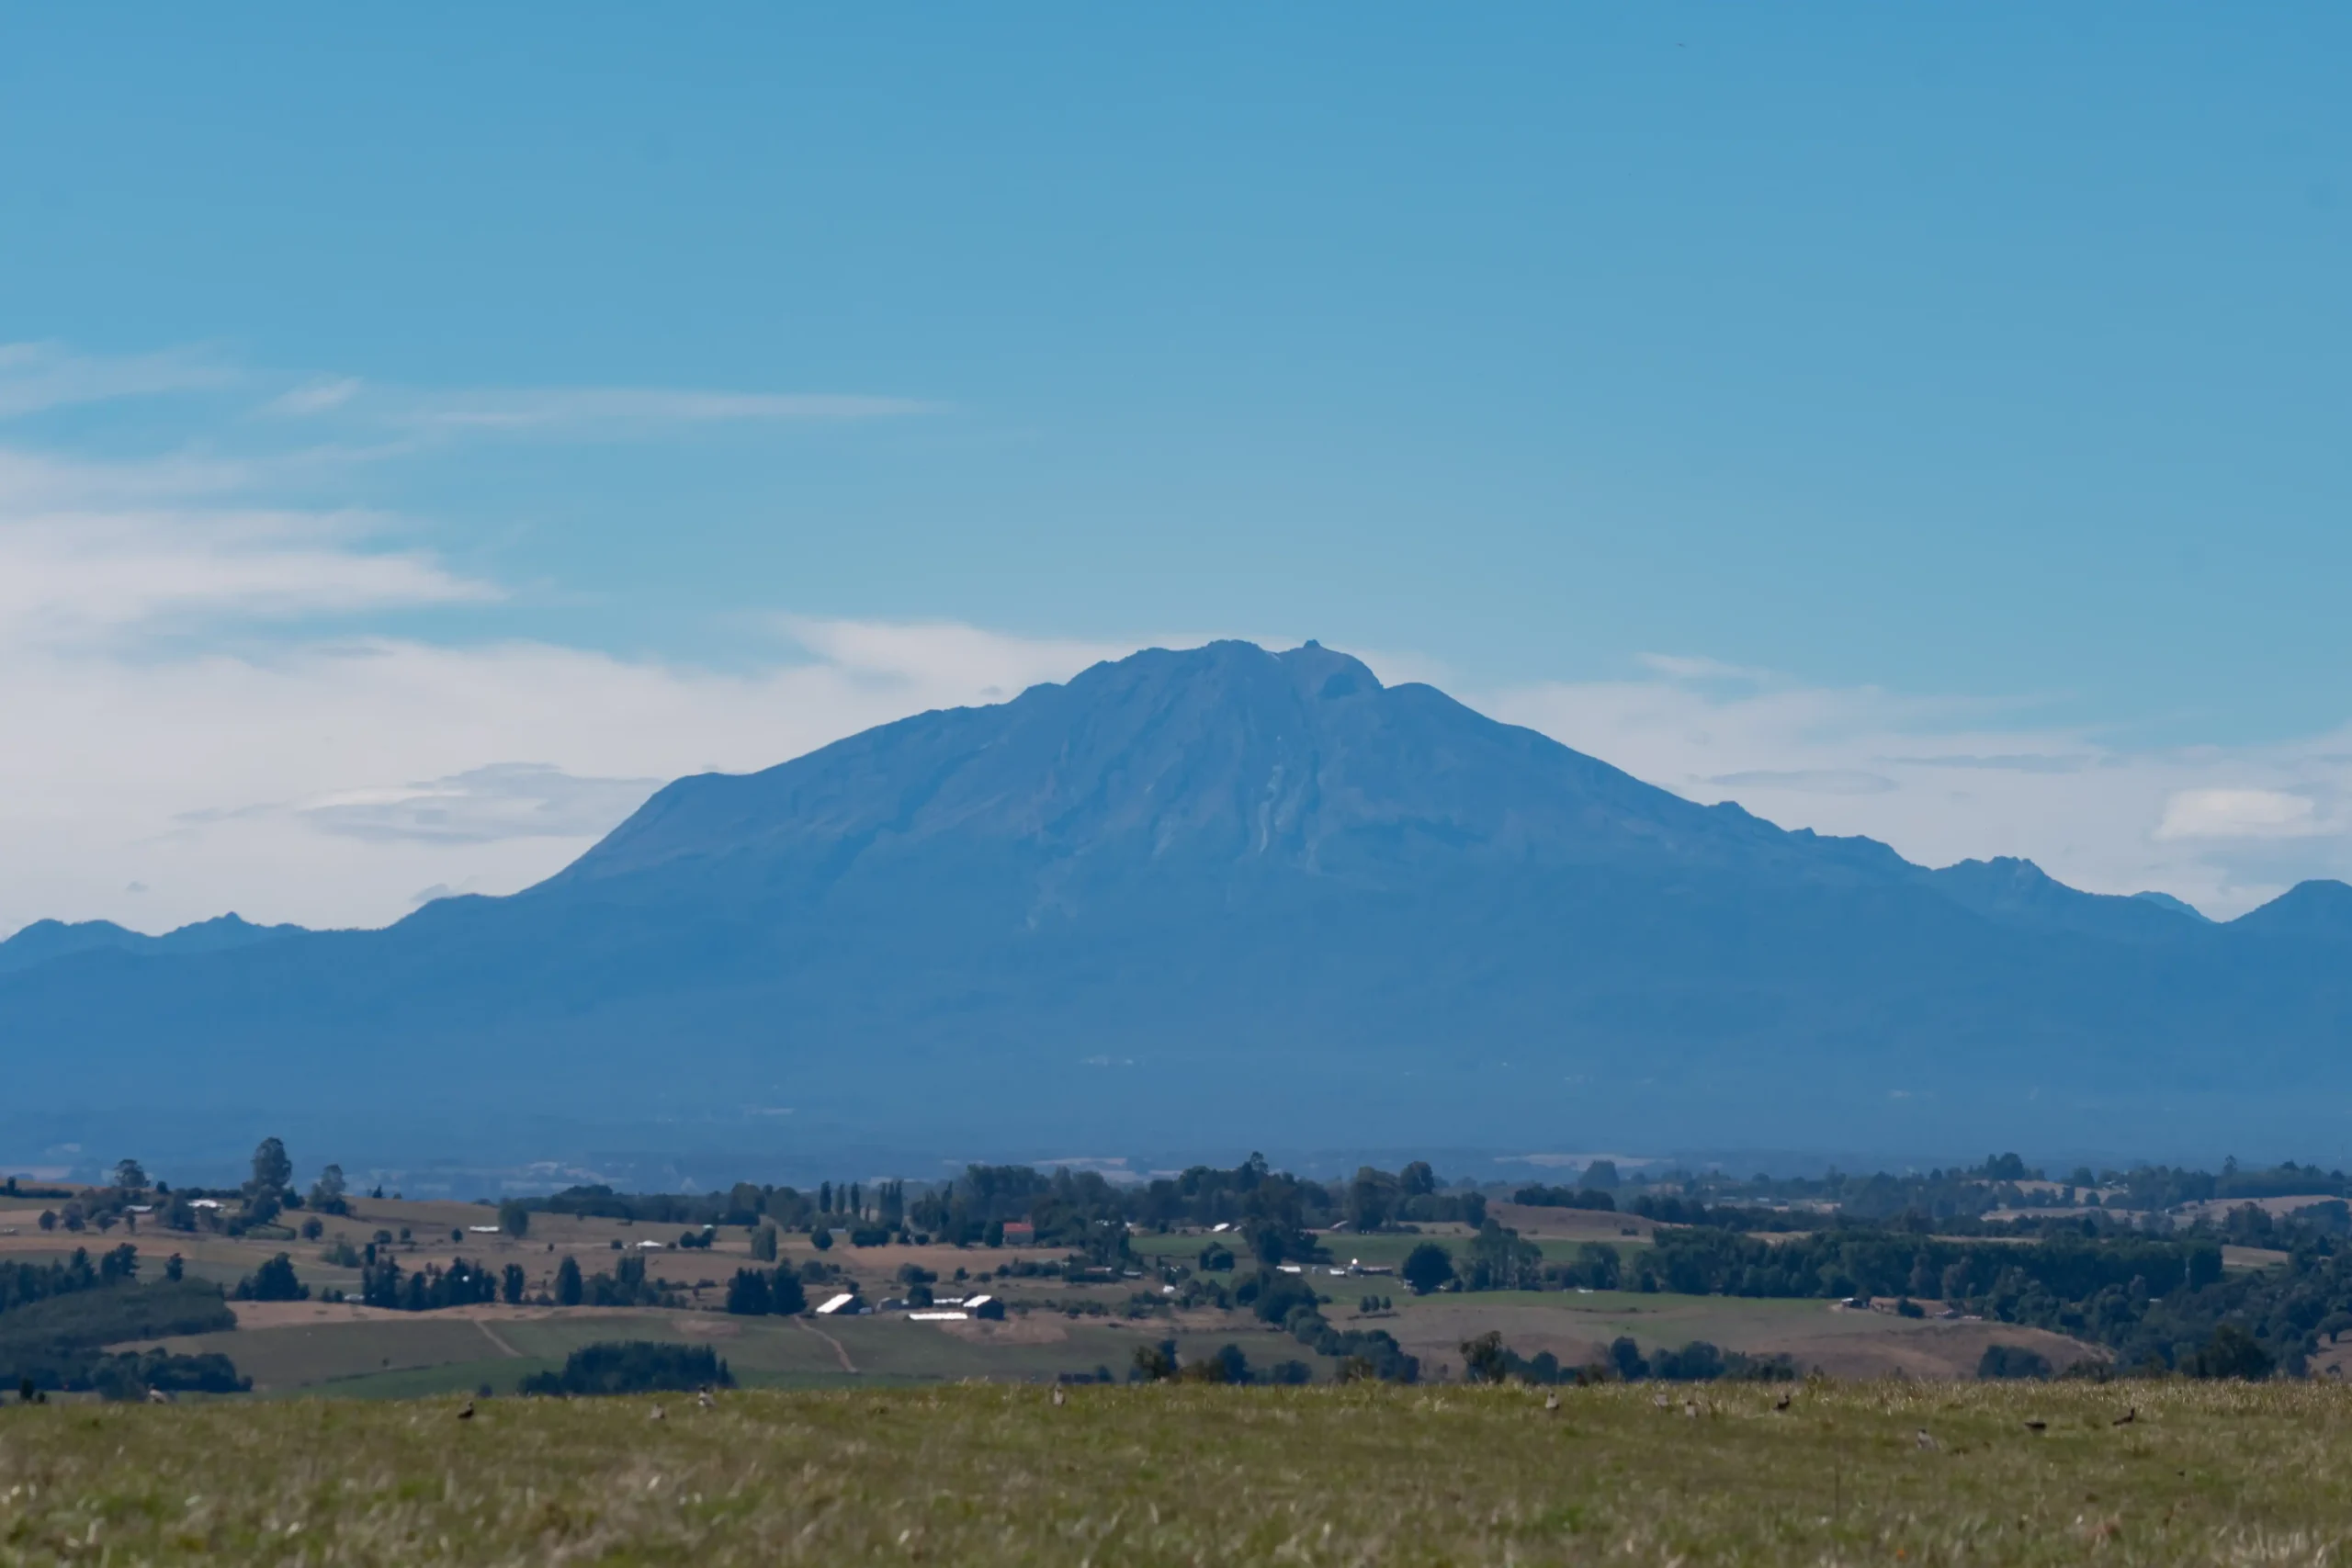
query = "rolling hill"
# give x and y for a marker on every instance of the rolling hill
(1209, 898)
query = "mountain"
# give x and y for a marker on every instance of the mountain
(1214, 898)
(45, 939)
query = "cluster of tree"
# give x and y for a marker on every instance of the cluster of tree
(973, 1209)
(130, 1376)
(21, 1284)
(1487, 1360)
(745, 1203)
(383, 1283)
(1951, 1200)
(56, 1341)
(759, 1292)
(632, 1366)
(1697, 1361)
(1541, 1197)
(2159, 1304)
(2003, 1361)
(2166, 1187)
(1158, 1363)
(1376, 1201)
(1289, 1302)
(1855, 1260)
(1671, 1209)
(626, 1285)
(1077, 1210)
(1943, 1197)
(12, 1189)
(1499, 1259)
(1273, 1211)
(273, 1282)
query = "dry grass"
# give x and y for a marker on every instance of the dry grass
(989, 1474)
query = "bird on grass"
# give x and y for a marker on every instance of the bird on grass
(1926, 1443)
(2130, 1413)
(1552, 1401)
(1783, 1403)
(2037, 1426)
(704, 1399)
(1659, 1400)
(466, 1411)
(658, 1414)
(1690, 1408)
(1058, 1396)
(157, 1397)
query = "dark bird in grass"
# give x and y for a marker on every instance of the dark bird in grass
(2037, 1426)
(2129, 1414)
(466, 1411)
(1783, 1403)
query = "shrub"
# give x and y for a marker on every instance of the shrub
(2012, 1361)
(633, 1366)
(1428, 1267)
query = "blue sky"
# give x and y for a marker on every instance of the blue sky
(1788, 397)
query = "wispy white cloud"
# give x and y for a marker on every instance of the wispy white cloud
(2243, 814)
(37, 376)
(38, 481)
(289, 792)
(1808, 781)
(946, 661)
(565, 409)
(480, 805)
(90, 549)
(314, 397)
(1692, 666)
(1946, 778)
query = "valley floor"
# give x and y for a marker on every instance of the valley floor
(976, 1475)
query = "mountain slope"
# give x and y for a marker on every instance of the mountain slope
(1226, 895)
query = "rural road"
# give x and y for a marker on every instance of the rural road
(839, 1350)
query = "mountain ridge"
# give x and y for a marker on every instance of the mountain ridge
(1104, 901)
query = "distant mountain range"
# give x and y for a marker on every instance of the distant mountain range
(1214, 898)
(45, 939)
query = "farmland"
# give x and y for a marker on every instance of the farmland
(1889, 1471)
(1056, 1328)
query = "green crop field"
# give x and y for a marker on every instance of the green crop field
(977, 1474)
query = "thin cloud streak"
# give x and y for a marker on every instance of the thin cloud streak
(35, 377)
(560, 411)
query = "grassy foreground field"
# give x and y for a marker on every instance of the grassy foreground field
(982, 1475)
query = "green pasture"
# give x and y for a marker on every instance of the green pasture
(1894, 1472)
